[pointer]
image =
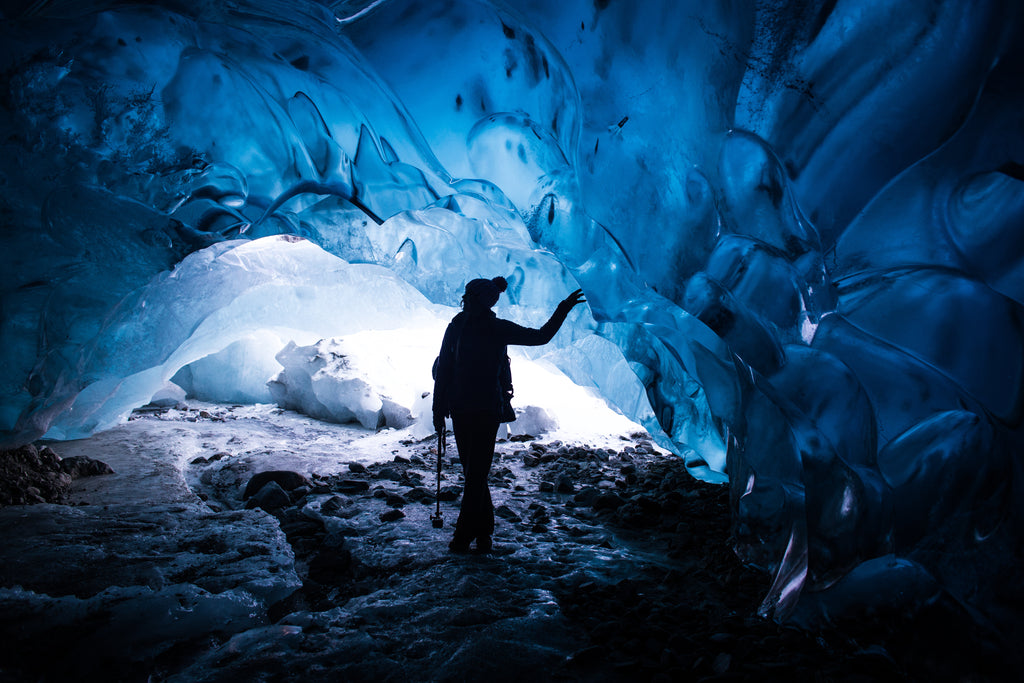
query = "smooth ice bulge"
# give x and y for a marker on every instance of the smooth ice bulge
(796, 225)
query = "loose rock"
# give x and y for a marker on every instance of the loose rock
(286, 479)
(392, 515)
(608, 501)
(351, 486)
(270, 498)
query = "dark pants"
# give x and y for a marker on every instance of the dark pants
(474, 438)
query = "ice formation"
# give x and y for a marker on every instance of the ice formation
(797, 225)
(325, 381)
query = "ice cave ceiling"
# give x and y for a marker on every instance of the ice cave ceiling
(800, 228)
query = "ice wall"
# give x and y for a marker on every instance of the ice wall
(797, 225)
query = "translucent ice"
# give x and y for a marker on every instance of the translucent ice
(256, 292)
(796, 224)
(238, 373)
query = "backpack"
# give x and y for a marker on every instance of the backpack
(506, 413)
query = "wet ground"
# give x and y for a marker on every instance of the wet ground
(610, 563)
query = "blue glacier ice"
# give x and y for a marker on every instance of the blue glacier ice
(798, 227)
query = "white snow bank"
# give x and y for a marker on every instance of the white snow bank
(382, 378)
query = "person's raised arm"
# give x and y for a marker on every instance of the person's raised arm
(526, 336)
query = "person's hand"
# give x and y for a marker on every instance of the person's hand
(439, 425)
(571, 301)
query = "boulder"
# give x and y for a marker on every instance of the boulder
(351, 486)
(608, 501)
(286, 479)
(270, 498)
(81, 466)
(586, 496)
(392, 515)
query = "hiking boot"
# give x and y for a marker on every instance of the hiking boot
(483, 544)
(458, 546)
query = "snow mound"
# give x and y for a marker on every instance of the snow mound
(341, 380)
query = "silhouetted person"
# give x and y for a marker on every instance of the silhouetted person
(470, 388)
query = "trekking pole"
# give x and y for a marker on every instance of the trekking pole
(442, 446)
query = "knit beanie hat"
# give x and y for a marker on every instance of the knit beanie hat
(484, 292)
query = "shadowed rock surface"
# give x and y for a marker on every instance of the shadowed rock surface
(629, 575)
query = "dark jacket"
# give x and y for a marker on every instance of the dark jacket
(473, 353)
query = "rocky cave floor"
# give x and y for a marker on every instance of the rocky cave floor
(610, 563)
